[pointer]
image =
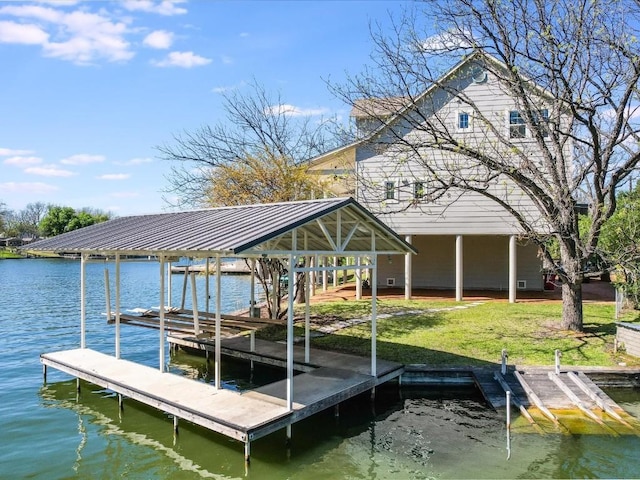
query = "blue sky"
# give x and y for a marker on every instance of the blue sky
(89, 88)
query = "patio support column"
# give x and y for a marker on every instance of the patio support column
(335, 272)
(408, 284)
(83, 300)
(162, 276)
(169, 299)
(307, 315)
(459, 268)
(513, 268)
(216, 367)
(117, 305)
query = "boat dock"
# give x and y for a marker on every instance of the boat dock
(244, 416)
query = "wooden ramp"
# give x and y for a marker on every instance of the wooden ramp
(556, 395)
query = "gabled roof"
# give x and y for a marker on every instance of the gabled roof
(393, 108)
(337, 225)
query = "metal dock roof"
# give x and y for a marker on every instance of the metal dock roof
(337, 225)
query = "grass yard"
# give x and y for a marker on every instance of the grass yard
(437, 333)
(9, 254)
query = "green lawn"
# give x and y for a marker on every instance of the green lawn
(475, 335)
(8, 254)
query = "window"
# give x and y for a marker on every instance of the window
(541, 119)
(463, 121)
(517, 127)
(419, 190)
(389, 190)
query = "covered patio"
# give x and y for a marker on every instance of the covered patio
(292, 231)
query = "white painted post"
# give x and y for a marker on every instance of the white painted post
(335, 272)
(207, 284)
(558, 354)
(513, 268)
(218, 356)
(374, 307)
(325, 275)
(184, 287)
(162, 273)
(505, 356)
(252, 294)
(117, 305)
(307, 316)
(83, 300)
(292, 273)
(107, 292)
(169, 285)
(314, 275)
(408, 281)
(194, 301)
(459, 267)
(358, 279)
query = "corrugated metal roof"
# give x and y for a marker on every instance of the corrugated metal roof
(234, 230)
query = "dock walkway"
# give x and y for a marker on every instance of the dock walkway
(244, 416)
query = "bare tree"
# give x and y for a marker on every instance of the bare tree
(257, 154)
(572, 69)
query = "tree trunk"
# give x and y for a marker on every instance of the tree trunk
(572, 306)
(572, 277)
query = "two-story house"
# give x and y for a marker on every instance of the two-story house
(466, 240)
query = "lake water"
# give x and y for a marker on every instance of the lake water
(51, 432)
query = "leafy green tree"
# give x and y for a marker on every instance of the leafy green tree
(620, 243)
(65, 219)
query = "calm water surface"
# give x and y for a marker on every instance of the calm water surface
(49, 432)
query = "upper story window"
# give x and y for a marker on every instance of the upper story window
(419, 190)
(390, 190)
(463, 121)
(518, 128)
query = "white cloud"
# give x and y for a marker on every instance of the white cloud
(27, 187)
(82, 159)
(229, 88)
(7, 152)
(159, 39)
(244, 34)
(11, 32)
(183, 60)
(163, 7)
(113, 176)
(293, 111)
(20, 161)
(79, 36)
(49, 171)
(135, 161)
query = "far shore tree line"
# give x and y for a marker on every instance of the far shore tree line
(38, 219)
(584, 56)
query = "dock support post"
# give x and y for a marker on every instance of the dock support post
(44, 373)
(194, 305)
(374, 311)
(247, 452)
(117, 305)
(336, 410)
(288, 434)
(508, 424)
(558, 354)
(120, 402)
(83, 300)
(161, 355)
(175, 425)
(218, 350)
(505, 356)
(78, 385)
